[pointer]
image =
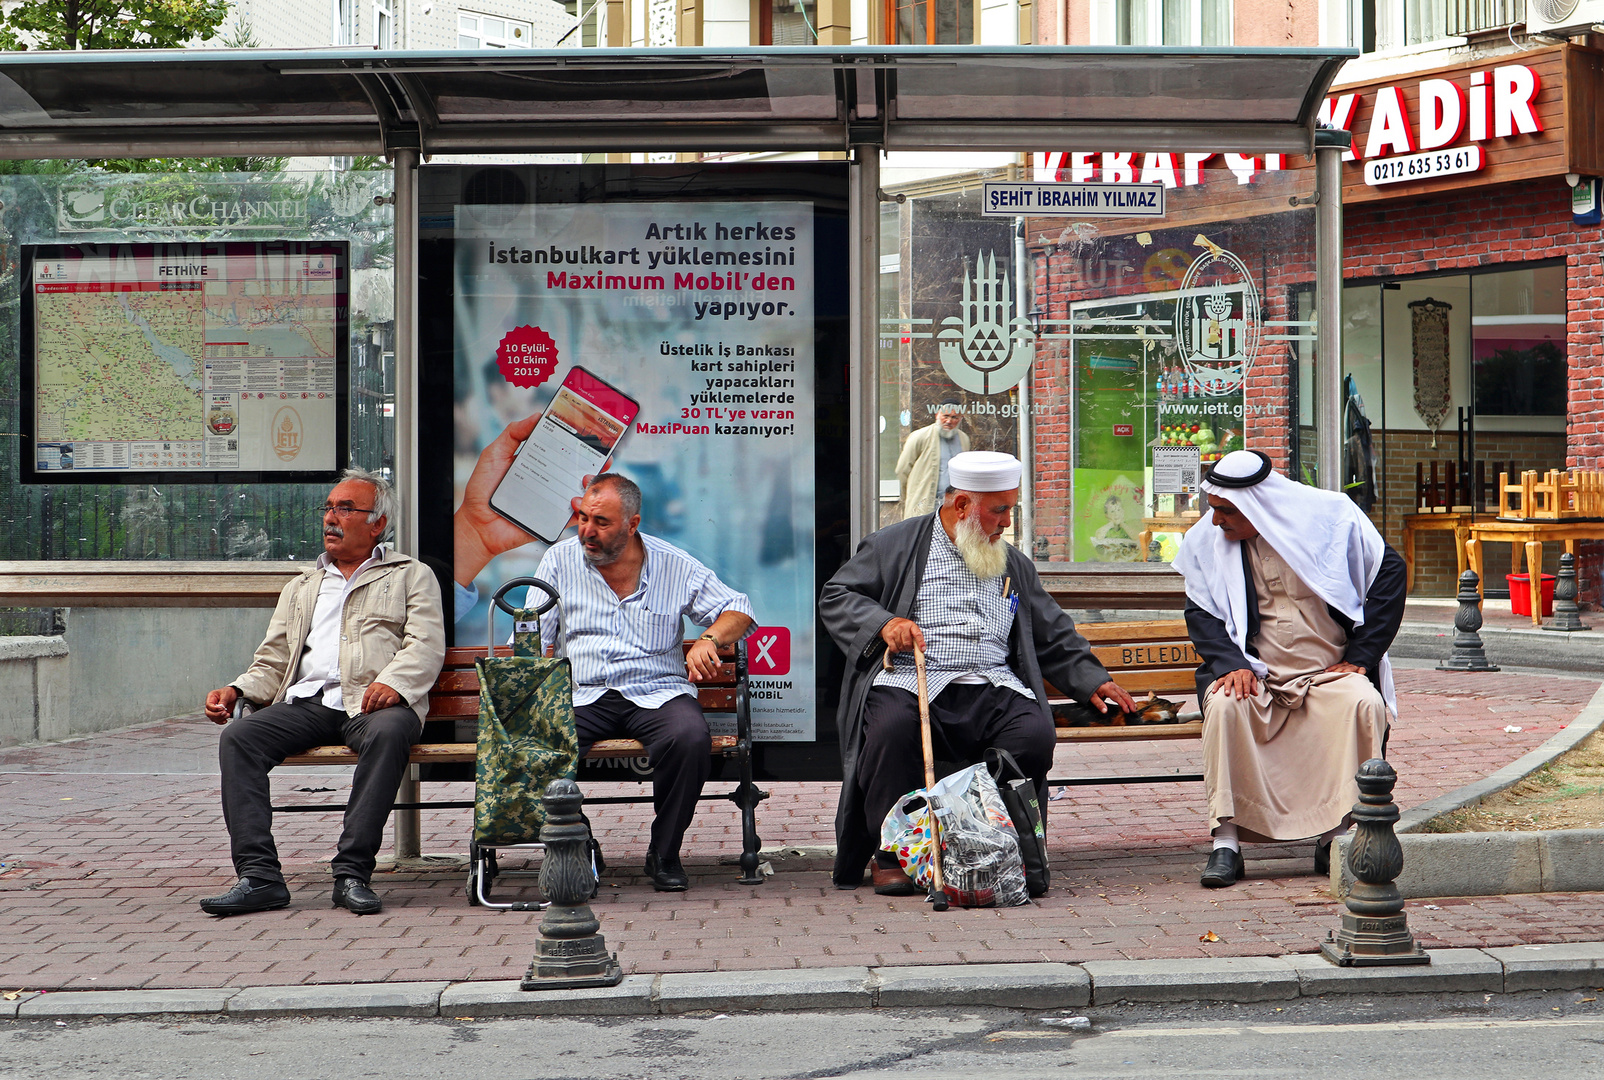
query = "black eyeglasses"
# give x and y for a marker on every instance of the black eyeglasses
(343, 511)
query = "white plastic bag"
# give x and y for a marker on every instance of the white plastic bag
(980, 861)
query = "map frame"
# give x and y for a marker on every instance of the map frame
(29, 360)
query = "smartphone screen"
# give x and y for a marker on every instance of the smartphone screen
(576, 434)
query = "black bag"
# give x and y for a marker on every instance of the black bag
(1019, 796)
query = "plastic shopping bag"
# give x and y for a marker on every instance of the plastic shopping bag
(980, 860)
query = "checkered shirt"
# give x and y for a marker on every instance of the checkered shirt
(966, 621)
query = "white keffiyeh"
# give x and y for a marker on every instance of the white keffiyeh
(1321, 535)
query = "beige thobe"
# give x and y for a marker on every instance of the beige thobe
(1281, 764)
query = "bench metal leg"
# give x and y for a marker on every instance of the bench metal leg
(408, 823)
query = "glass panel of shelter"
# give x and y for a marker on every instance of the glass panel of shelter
(199, 521)
(1085, 345)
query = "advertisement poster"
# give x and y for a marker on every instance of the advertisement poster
(674, 340)
(179, 362)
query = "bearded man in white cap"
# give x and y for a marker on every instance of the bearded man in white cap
(949, 583)
(1293, 599)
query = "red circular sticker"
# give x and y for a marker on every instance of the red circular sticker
(527, 356)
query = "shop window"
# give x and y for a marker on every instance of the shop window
(1172, 22)
(1518, 342)
(930, 22)
(789, 22)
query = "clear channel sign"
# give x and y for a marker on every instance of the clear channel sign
(1011, 199)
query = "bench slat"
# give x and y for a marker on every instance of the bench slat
(1191, 730)
(1123, 632)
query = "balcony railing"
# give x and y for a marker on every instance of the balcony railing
(1476, 16)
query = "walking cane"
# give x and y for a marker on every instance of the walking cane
(938, 890)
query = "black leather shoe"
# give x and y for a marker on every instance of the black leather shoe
(1225, 868)
(248, 895)
(1322, 859)
(354, 896)
(667, 874)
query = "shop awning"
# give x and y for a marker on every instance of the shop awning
(150, 103)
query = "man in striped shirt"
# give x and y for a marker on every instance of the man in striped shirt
(619, 621)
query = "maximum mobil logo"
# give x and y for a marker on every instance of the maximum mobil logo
(768, 651)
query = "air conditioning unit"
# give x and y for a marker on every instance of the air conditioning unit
(1562, 17)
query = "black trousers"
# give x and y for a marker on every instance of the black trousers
(676, 738)
(966, 719)
(252, 745)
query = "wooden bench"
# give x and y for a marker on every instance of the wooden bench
(448, 745)
(1143, 657)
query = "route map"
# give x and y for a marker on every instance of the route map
(186, 357)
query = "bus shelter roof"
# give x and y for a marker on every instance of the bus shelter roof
(175, 103)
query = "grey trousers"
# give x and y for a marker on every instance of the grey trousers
(254, 744)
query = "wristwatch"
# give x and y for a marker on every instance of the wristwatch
(710, 637)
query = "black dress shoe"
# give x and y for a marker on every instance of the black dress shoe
(248, 895)
(667, 874)
(1322, 859)
(1225, 868)
(354, 896)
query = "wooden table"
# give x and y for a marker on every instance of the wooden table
(1458, 524)
(1531, 535)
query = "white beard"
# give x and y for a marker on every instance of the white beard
(947, 433)
(984, 558)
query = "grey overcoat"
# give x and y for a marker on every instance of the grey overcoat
(879, 583)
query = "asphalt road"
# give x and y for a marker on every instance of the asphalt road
(1452, 1037)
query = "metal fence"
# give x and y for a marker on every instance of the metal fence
(25, 622)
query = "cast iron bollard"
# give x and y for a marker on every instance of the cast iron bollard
(1566, 614)
(1468, 654)
(570, 952)
(1375, 930)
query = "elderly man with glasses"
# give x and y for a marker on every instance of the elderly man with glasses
(352, 650)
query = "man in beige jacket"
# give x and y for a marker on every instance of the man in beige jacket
(922, 466)
(351, 653)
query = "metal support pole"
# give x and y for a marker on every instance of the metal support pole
(1329, 146)
(408, 823)
(1024, 285)
(405, 480)
(864, 322)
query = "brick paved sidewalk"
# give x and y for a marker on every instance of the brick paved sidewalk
(107, 842)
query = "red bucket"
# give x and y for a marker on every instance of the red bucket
(1520, 594)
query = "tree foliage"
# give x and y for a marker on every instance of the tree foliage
(110, 24)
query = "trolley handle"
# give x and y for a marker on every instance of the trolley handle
(498, 600)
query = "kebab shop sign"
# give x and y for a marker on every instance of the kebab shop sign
(1441, 136)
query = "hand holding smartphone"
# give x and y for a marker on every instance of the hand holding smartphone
(579, 430)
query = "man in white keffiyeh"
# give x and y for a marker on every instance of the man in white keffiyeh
(1293, 599)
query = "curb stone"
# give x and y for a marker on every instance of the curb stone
(9, 1008)
(1450, 971)
(635, 996)
(350, 999)
(127, 1002)
(1015, 986)
(1022, 986)
(797, 988)
(1242, 978)
(1551, 967)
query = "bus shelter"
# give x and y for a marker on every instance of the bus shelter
(760, 333)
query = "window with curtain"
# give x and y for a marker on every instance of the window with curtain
(790, 22)
(1172, 22)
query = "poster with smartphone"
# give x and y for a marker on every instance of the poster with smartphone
(574, 437)
(674, 338)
